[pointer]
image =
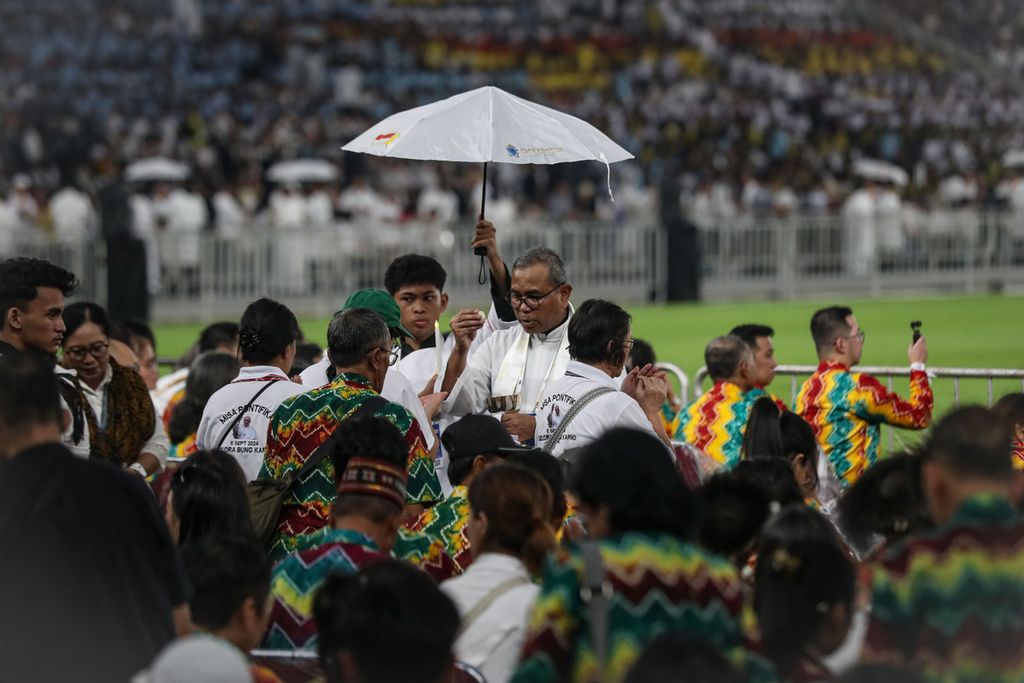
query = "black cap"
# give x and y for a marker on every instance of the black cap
(476, 435)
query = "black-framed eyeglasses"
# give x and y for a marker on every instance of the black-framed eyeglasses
(517, 299)
(393, 353)
(96, 350)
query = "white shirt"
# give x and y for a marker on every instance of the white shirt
(397, 389)
(158, 444)
(246, 442)
(74, 218)
(614, 409)
(166, 387)
(493, 642)
(470, 393)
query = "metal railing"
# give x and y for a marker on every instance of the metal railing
(794, 372)
(204, 276)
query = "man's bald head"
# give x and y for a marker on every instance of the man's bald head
(725, 357)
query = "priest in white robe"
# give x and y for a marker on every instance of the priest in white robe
(508, 373)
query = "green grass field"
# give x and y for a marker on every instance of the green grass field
(985, 331)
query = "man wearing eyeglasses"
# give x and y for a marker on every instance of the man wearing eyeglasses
(846, 408)
(508, 373)
(361, 351)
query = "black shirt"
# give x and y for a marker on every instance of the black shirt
(88, 572)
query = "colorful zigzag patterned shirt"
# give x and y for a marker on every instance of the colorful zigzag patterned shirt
(949, 603)
(303, 422)
(716, 421)
(1017, 452)
(298, 577)
(425, 552)
(660, 583)
(447, 521)
(846, 410)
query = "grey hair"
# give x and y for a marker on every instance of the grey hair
(352, 333)
(723, 356)
(547, 257)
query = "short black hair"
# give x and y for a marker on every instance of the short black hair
(642, 354)
(1010, 408)
(750, 332)
(81, 312)
(734, 510)
(369, 437)
(306, 354)
(21, 278)
(973, 442)
(29, 391)
(131, 331)
(723, 355)
(550, 470)
(598, 331)
(414, 269)
(354, 332)
(386, 607)
(631, 472)
(223, 572)
(223, 333)
(828, 324)
(670, 653)
(266, 330)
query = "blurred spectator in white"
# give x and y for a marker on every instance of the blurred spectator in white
(859, 229)
(319, 207)
(889, 224)
(22, 203)
(144, 227)
(230, 218)
(359, 201)
(74, 217)
(437, 203)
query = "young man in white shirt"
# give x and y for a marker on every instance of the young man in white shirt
(587, 401)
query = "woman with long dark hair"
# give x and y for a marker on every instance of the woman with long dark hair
(123, 425)
(207, 499)
(237, 416)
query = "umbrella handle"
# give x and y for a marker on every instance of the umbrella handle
(481, 277)
(480, 251)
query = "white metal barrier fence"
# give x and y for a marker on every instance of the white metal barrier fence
(795, 372)
(314, 271)
(802, 255)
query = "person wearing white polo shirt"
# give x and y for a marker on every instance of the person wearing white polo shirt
(587, 401)
(237, 416)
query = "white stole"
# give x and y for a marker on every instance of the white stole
(513, 369)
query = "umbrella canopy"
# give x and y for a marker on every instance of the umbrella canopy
(1014, 158)
(880, 171)
(303, 171)
(156, 169)
(485, 125)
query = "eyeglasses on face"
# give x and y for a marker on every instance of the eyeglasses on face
(97, 350)
(859, 336)
(393, 353)
(531, 301)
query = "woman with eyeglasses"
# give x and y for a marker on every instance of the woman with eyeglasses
(123, 425)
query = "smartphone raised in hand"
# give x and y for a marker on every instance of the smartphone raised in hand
(915, 326)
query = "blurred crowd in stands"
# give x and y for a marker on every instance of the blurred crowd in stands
(763, 108)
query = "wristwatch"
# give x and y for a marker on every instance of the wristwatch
(139, 469)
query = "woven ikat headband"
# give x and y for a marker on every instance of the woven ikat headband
(373, 477)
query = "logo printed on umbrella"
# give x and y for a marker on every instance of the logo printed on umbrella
(522, 152)
(386, 138)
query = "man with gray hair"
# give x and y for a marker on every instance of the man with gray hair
(716, 421)
(361, 351)
(508, 373)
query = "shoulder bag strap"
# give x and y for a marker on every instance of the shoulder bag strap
(243, 411)
(369, 406)
(576, 409)
(595, 593)
(485, 602)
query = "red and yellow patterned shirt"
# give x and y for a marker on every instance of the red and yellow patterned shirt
(846, 410)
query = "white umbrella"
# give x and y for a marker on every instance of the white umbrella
(156, 169)
(1014, 158)
(880, 171)
(303, 171)
(488, 125)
